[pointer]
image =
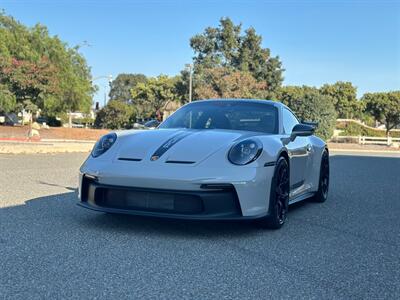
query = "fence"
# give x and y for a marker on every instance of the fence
(364, 140)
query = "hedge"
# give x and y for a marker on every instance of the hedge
(354, 129)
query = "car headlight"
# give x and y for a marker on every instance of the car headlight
(245, 152)
(104, 144)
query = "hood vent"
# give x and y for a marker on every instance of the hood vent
(185, 162)
(129, 159)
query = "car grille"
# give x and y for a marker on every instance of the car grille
(212, 199)
(152, 201)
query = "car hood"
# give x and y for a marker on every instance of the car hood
(176, 145)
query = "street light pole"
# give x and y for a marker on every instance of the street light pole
(190, 67)
(190, 84)
(109, 77)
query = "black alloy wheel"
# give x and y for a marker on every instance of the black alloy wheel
(282, 193)
(322, 193)
(279, 199)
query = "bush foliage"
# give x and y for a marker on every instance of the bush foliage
(384, 107)
(115, 115)
(354, 129)
(310, 105)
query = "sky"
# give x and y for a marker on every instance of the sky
(318, 42)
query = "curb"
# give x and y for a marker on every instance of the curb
(68, 141)
(28, 140)
(25, 147)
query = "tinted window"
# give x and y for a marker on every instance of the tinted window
(151, 123)
(289, 121)
(225, 114)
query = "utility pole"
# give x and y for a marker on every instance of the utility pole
(109, 77)
(190, 67)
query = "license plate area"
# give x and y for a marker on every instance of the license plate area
(149, 200)
(131, 199)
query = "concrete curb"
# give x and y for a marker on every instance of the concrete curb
(14, 147)
(68, 141)
(17, 139)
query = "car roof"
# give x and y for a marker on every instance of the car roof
(270, 102)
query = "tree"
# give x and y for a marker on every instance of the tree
(344, 95)
(150, 96)
(28, 80)
(227, 83)
(224, 46)
(115, 115)
(41, 68)
(384, 107)
(310, 105)
(122, 85)
(7, 99)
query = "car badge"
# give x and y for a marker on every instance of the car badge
(154, 157)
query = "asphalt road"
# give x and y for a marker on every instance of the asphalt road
(348, 247)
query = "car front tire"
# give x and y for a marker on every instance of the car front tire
(279, 198)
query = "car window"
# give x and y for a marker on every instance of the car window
(289, 121)
(226, 114)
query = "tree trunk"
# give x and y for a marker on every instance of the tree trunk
(70, 120)
(387, 129)
(30, 126)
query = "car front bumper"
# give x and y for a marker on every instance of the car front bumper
(213, 202)
(249, 188)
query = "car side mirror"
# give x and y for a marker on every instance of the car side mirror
(301, 130)
(314, 124)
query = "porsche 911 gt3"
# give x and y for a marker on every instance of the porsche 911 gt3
(211, 160)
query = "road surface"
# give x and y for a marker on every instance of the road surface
(345, 248)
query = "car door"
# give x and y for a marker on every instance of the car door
(298, 151)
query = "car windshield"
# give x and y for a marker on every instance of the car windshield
(226, 114)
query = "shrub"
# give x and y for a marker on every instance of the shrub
(354, 129)
(115, 115)
(7, 100)
(309, 105)
(384, 107)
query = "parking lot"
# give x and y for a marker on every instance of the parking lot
(345, 248)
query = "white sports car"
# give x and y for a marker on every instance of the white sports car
(211, 159)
